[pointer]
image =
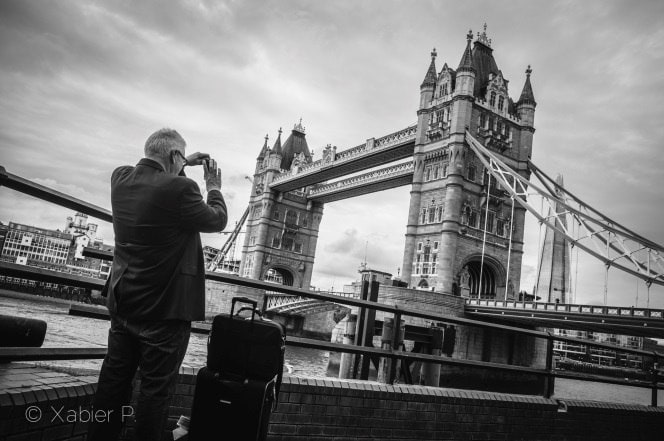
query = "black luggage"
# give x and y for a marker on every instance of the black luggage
(230, 408)
(251, 347)
(235, 393)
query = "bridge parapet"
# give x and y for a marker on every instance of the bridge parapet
(622, 311)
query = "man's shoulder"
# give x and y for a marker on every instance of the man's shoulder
(123, 170)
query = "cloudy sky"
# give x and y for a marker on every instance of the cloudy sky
(82, 84)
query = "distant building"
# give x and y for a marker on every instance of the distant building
(53, 250)
(231, 266)
(599, 356)
(370, 275)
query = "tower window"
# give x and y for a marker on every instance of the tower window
(471, 172)
(432, 215)
(275, 215)
(276, 241)
(492, 99)
(427, 174)
(439, 218)
(472, 218)
(482, 121)
(419, 246)
(501, 102)
(444, 170)
(500, 227)
(435, 172)
(423, 216)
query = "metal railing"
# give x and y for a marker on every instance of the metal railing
(621, 311)
(549, 372)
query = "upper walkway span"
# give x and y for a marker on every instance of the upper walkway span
(375, 152)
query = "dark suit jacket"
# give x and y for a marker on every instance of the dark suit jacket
(158, 267)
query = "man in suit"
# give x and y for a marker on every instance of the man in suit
(157, 283)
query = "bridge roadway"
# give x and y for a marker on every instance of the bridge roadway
(642, 322)
(619, 320)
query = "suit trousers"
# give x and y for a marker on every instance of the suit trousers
(156, 348)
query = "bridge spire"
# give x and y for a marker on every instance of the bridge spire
(466, 63)
(264, 150)
(430, 77)
(276, 148)
(527, 96)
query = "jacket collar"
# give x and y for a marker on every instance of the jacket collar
(150, 163)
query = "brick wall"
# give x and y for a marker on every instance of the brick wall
(326, 410)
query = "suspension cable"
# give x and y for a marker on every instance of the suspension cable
(486, 218)
(606, 275)
(509, 250)
(636, 303)
(648, 283)
(576, 270)
(540, 251)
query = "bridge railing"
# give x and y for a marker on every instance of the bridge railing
(621, 311)
(549, 373)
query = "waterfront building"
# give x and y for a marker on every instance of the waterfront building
(53, 250)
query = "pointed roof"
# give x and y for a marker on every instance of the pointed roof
(466, 63)
(430, 77)
(527, 96)
(483, 62)
(264, 150)
(276, 148)
(294, 145)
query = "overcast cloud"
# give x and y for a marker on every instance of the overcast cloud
(84, 83)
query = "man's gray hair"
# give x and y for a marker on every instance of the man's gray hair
(162, 142)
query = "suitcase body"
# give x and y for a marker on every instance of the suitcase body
(251, 347)
(230, 408)
(235, 393)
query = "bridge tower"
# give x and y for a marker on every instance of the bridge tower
(553, 269)
(282, 228)
(452, 197)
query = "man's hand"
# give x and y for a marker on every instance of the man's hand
(212, 175)
(197, 159)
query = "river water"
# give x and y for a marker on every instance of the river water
(72, 331)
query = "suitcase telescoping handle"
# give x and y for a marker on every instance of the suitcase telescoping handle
(253, 303)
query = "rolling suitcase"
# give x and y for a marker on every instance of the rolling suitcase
(236, 391)
(227, 407)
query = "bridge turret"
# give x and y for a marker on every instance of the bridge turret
(429, 84)
(265, 150)
(465, 76)
(525, 107)
(275, 156)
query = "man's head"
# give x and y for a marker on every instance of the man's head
(166, 146)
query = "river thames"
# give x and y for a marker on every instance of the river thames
(72, 331)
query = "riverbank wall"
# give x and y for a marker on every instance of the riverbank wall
(325, 409)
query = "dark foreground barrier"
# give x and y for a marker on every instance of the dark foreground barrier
(21, 331)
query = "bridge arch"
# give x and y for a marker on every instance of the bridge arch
(491, 272)
(279, 274)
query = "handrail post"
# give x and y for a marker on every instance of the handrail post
(655, 379)
(431, 371)
(368, 329)
(549, 382)
(386, 339)
(359, 336)
(397, 337)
